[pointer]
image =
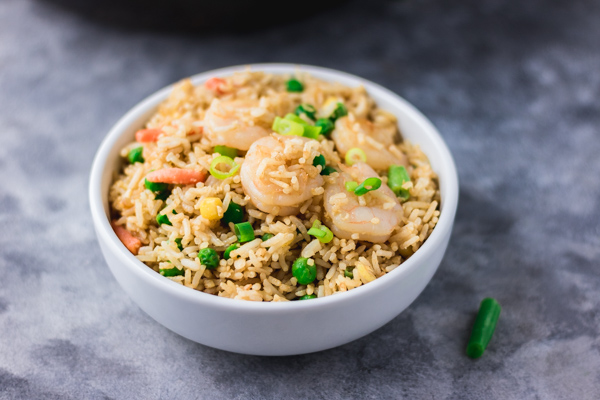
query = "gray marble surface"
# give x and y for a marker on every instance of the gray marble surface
(514, 89)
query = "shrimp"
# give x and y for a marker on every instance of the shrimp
(352, 132)
(278, 175)
(236, 123)
(372, 218)
(131, 242)
(177, 176)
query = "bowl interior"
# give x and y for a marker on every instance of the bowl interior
(413, 126)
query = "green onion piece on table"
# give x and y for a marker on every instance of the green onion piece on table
(220, 174)
(171, 271)
(244, 232)
(226, 151)
(355, 155)
(287, 127)
(483, 329)
(209, 258)
(367, 185)
(320, 160)
(350, 186)
(234, 213)
(294, 85)
(326, 126)
(229, 249)
(328, 170)
(163, 219)
(135, 155)
(308, 297)
(397, 176)
(303, 272)
(155, 186)
(307, 110)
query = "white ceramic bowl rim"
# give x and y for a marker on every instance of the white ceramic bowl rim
(448, 206)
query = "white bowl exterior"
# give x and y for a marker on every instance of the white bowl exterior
(276, 328)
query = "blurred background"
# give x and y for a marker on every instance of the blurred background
(513, 89)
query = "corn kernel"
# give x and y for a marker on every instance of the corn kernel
(211, 208)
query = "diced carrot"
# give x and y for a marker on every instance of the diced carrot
(131, 242)
(177, 176)
(147, 135)
(215, 84)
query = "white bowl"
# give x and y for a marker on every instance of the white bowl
(284, 328)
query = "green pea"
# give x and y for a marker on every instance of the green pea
(135, 155)
(228, 250)
(303, 272)
(209, 257)
(308, 297)
(326, 126)
(294, 85)
(155, 186)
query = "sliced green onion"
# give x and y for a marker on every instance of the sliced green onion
(294, 85)
(307, 110)
(397, 176)
(135, 155)
(163, 219)
(178, 243)
(295, 118)
(162, 195)
(355, 155)
(319, 160)
(340, 111)
(312, 131)
(308, 297)
(171, 271)
(348, 273)
(483, 329)
(267, 236)
(328, 170)
(229, 249)
(351, 186)
(155, 186)
(234, 213)
(321, 232)
(287, 127)
(326, 126)
(226, 151)
(233, 167)
(367, 185)
(244, 232)
(316, 233)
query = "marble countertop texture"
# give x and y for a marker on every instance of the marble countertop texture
(514, 88)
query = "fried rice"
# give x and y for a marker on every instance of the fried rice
(261, 270)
